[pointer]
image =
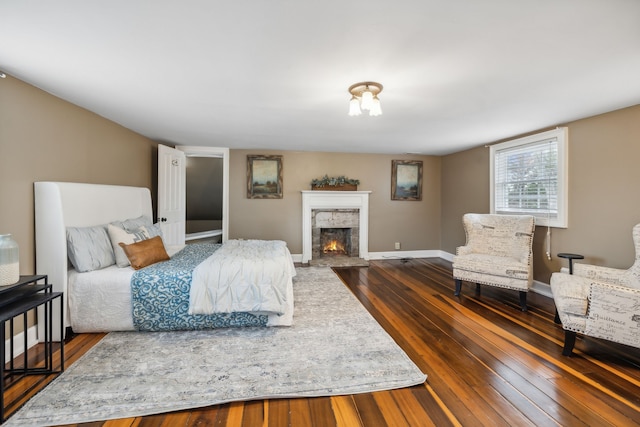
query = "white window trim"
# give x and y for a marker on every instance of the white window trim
(562, 136)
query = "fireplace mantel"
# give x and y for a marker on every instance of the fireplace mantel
(335, 200)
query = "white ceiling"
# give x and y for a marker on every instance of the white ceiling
(274, 74)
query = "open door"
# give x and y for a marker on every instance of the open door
(172, 194)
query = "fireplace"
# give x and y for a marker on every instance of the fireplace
(335, 227)
(335, 232)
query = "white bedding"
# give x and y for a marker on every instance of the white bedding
(100, 300)
(243, 276)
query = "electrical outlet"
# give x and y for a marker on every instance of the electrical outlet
(397, 245)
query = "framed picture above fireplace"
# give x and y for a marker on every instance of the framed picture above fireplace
(406, 180)
(264, 177)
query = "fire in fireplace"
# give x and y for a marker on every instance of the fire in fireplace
(335, 241)
(334, 247)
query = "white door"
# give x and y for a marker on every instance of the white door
(172, 194)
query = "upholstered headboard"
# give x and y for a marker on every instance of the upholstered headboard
(59, 205)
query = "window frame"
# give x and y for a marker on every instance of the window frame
(561, 135)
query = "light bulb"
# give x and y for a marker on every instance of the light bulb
(375, 109)
(367, 99)
(354, 107)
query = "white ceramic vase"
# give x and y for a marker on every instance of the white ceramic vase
(9, 260)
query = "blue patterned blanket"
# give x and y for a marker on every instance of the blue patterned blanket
(160, 296)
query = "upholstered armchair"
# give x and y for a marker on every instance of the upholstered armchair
(498, 252)
(601, 302)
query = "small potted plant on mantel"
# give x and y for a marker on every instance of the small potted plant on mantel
(340, 183)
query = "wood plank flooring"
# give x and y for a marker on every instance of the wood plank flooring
(488, 364)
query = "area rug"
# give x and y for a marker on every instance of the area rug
(334, 347)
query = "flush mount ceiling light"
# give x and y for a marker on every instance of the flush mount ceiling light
(364, 96)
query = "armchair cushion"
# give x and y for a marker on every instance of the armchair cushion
(492, 264)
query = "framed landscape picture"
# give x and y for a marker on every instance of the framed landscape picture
(406, 180)
(264, 177)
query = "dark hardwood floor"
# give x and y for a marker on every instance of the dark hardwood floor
(488, 364)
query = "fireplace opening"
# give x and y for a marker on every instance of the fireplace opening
(334, 247)
(335, 242)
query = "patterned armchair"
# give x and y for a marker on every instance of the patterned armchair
(498, 252)
(601, 302)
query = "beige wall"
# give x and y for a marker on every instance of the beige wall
(43, 138)
(465, 188)
(415, 224)
(603, 203)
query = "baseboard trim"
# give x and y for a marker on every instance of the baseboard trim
(18, 343)
(404, 254)
(447, 256)
(541, 288)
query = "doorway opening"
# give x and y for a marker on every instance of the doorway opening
(220, 162)
(204, 201)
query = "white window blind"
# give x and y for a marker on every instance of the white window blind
(528, 177)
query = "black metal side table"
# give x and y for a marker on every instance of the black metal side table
(570, 257)
(18, 299)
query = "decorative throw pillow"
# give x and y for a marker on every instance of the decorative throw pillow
(146, 252)
(133, 224)
(89, 248)
(119, 235)
(152, 230)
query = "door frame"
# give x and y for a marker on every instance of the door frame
(218, 152)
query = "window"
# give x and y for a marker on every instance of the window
(529, 177)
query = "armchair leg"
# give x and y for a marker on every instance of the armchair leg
(523, 300)
(569, 342)
(478, 289)
(556, 319)
(458, 287)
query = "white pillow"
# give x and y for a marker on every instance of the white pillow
(89, 248)
(119, 235)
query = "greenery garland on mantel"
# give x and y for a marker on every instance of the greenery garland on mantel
(330, 183)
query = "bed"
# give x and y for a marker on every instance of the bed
(102, 300)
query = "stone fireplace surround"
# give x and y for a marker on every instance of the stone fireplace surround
(331, 222)
(339, 201)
